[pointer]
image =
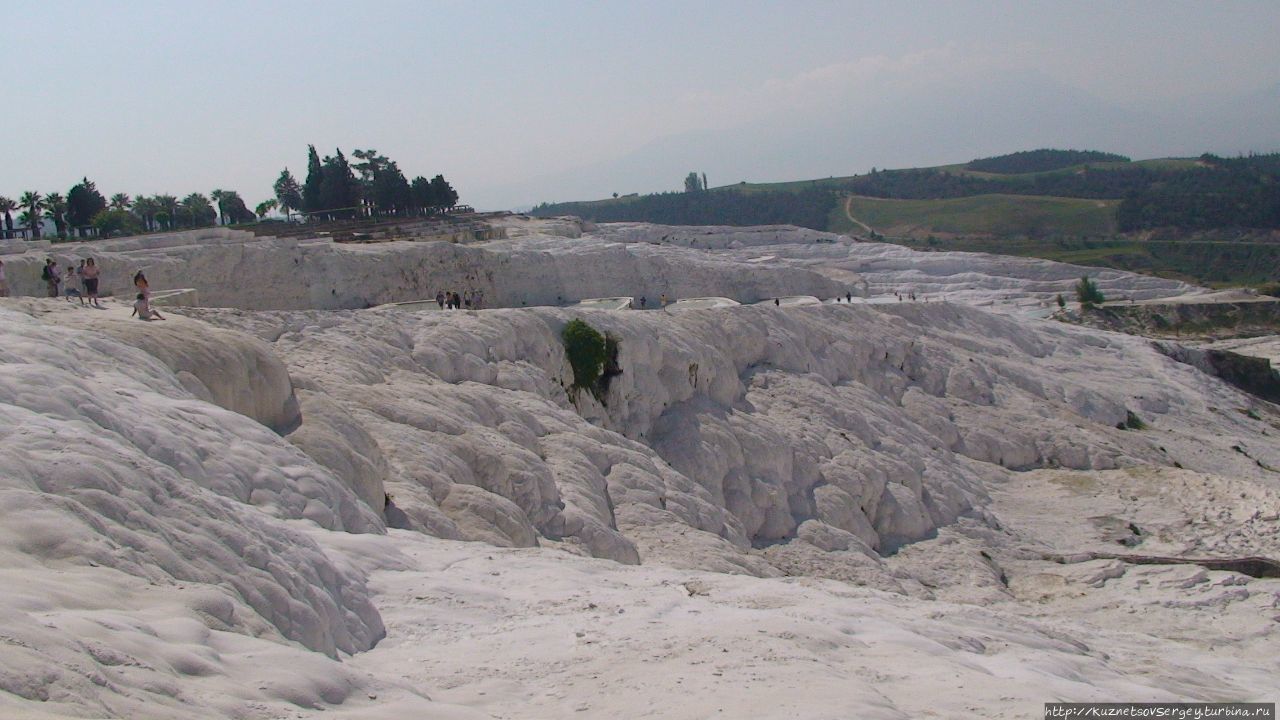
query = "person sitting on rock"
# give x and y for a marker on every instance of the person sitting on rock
(144, 287)
(142, 308)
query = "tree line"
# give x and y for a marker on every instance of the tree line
(936, 184)
(334, 189)
(1043, 160)
(373, 186)
(1241, 192)
(807, 208)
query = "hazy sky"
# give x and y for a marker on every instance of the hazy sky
(518, 102)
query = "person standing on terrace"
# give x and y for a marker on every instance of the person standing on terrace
(90, 277)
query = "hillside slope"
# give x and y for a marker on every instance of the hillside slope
(982, 215)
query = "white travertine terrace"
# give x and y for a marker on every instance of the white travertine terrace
(258, 508)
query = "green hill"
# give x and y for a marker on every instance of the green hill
(998, 215)
(1217, 219)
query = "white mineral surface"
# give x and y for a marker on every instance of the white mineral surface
(284, 505)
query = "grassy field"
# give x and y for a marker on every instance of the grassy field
(1002, 215)
(792, 186)
(962, 169)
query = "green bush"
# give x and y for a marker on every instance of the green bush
(1088, 293)
(1131, 422)
(587, 351)
(110, 223)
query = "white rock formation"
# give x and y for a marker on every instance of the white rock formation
(552, 262)
(889, 505)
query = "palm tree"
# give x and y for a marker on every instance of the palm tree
(219, 197)
(233, 209)
(169, 205)
(55, 208)
(146, 208)
(34, 203)
(120, 201)
(288, 193)
(265, 207)
(200, 210)
(24, 220)
(7, 207)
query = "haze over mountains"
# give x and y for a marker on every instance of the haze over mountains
(525, 103)
(840, 128)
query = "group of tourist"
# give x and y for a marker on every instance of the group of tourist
(75, 282)
(644, 301)
(81, 282)
(450, 300)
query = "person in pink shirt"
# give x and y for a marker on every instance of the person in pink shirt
(90, 277)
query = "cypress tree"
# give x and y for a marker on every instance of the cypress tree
(313, 188)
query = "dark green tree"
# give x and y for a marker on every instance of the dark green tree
(585, 347)
(390, 193)
(169, 208)
(369, 167)
(83, 203)
(218, 197)
(232, 208)
(1088, 293)
(692, 183)
(55, 209)
(146, 208)
(265, 207)
(313, 188)
(195, 210)
(423, 195)
(288, 193)
(109, 223)
(7, 206)
(33, 202)
(443, 194)
(340, 191)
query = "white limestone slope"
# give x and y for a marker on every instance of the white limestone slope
(798, 511)
(744, 424)
(559, 262)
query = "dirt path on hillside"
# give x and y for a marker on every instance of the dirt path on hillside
(849, 214)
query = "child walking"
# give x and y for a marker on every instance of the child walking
(69, 284)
